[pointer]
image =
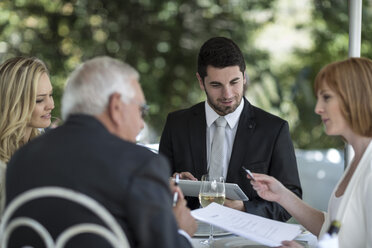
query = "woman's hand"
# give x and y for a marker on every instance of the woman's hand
(268, 187)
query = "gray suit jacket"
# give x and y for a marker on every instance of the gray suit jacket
(129, 180)
(262, 144)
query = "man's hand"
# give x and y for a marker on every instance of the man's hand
(235, 204)
(183, 215)
(185, 175)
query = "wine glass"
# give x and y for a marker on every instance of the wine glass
(212, 189)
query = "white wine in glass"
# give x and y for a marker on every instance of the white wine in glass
(211, 190)
(206, 199)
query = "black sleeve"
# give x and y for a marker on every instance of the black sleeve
(150, 208)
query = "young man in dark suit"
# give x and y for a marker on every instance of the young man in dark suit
(253, 138)
(94, 153)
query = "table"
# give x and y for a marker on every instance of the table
(233, 241)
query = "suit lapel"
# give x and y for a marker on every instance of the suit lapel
(246, 127)
(197, 133)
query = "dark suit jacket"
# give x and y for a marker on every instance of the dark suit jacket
(262, 144)
(129, 180)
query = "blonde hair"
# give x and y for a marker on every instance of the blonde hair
(19, 78)
(351, 80)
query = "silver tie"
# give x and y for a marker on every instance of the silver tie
(217, 151)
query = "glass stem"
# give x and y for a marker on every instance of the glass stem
(210, 234)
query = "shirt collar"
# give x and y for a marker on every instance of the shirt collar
(232, 118)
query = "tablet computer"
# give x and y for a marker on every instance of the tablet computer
(192, 188)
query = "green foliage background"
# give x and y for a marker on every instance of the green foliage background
(161, 39)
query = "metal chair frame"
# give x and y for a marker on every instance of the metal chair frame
(114, 234)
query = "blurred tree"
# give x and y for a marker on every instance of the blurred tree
(287, 88)
(330, 35)
(160, 38)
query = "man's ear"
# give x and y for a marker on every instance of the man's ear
(245, 82)
(201, 83)
(245, 78)
(115, 109)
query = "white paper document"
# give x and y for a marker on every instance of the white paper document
(256, 228)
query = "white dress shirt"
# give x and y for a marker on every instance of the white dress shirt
(230, 132)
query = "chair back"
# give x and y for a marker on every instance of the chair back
(113, 234)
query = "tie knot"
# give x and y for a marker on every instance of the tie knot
(221, 122)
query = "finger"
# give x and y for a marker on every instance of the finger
(259, 176)
(249, 177)
(179, 190)
(227, 203)
(187, 175)
(256, 185)
(181, 202)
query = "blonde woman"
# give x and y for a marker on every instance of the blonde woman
(26, 103)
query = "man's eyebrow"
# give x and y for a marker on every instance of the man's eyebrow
(235, 79)
(215, 82)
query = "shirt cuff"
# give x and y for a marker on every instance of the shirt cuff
(185, 234)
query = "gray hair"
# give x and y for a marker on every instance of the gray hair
(90, 86)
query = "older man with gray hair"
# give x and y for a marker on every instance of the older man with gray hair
(93, 152)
